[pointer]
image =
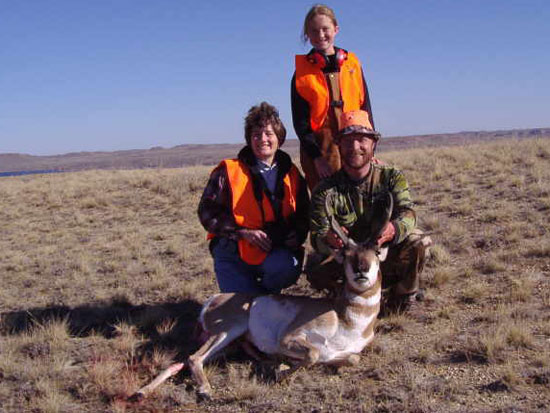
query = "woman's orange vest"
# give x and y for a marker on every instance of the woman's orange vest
(246, 209)
(312, 86)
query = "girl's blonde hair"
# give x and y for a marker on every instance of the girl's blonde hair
(317, 9)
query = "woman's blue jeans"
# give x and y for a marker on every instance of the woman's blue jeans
(280, 269)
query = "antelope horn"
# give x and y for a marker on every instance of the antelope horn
(339, 231)
(382, 215)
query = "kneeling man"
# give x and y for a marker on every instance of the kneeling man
(348, 195)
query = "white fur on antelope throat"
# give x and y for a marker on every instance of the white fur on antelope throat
(364, 301)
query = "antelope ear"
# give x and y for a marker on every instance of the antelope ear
(382, 210)
(383, 254)
(338, 256)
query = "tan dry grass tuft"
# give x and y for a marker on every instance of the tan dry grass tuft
(430, 222)
(394, 322)
(54, 331)
(447, 334)
(166, 326)
(541, 249)
(492, 343)
(467, 272)
(457, 238)
(475, 292)
(546, 298)
(9, 360)
(445, 313)
(521, 289)
(490, 265)
(127, 339)
(54, 401)
(519, 336)
(439, 255)
(102, 372)
(244, 387)
(441, 276)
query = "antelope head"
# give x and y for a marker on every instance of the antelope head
(362, 261)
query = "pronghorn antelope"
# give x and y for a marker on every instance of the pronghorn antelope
(305, 330)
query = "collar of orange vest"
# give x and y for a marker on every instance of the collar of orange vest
(284, 163)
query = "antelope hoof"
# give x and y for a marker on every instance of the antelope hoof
(204, 396)
(284, 373)
(136, 397)
(354, 360)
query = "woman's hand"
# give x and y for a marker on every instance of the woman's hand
(323, 168)
(256, 237)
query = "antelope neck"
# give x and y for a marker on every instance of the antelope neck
(366, 299)
(359, 310)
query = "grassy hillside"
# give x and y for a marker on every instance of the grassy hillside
(103, 273)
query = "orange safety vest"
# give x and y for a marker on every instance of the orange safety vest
(245, 207)
(312, 86)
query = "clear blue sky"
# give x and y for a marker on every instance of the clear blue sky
(87, 75)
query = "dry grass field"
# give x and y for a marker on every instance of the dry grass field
(103, 273)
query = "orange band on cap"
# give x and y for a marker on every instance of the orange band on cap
(355, 118)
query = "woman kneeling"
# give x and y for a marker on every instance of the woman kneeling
(255, 210)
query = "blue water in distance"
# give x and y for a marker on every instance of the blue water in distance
(38, 171)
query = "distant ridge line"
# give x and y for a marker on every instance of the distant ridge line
(211, 154)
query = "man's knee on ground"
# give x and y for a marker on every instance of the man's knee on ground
(418, 237)
(405, 262)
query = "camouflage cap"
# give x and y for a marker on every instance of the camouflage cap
(356, 121)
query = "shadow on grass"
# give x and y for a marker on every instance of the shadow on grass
(167, 325)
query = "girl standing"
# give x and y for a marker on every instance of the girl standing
(327, 81)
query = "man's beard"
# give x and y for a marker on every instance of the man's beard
(365, 159)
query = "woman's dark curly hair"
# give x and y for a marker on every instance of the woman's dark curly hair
(259, 116)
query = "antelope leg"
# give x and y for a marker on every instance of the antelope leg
(252, 351)
(214, 344)
(161, 378)
(350, 360)
(303, 353)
